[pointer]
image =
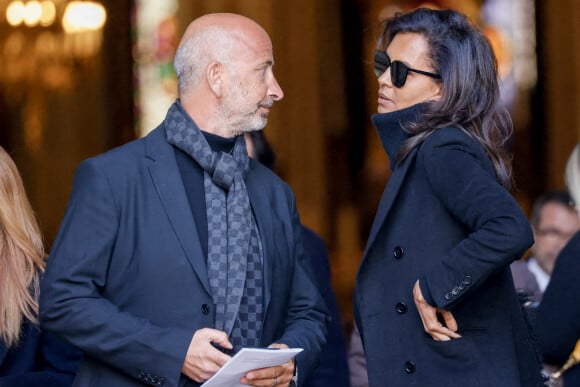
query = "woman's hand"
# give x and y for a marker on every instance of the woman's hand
(431, 323)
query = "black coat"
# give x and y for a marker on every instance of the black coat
(558, 317)
(40, 359)
(443, 219)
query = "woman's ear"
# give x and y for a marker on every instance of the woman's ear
(437, 91)
(214, 76)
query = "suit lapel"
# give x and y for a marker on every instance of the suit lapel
(169, 185)
(393, 186)
(261, 210)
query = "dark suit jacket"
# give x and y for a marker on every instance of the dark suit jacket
(127, 282)
(558, 317)
(39, 360)
(444, 219)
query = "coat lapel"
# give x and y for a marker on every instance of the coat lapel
(263, 215)
(169, 185)
(393, 186)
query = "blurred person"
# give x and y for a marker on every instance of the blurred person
(28, 356)
(558, 316)
(554, 220)
(434, 300)
(177, 250)
(332, 368)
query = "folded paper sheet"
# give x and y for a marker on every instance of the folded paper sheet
(248, 359)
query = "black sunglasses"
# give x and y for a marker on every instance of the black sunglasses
(399, 70)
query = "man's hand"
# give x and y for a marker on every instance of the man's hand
(272, 376)
(431, 323)
(203, 360)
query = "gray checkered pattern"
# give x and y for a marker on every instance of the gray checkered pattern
(248, 325)
(234, 250)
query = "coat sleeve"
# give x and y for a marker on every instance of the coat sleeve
(72, 304)
(461, 175)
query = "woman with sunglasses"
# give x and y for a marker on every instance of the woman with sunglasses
(435, 301)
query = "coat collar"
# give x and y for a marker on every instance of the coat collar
(392, 135)
(390, 130)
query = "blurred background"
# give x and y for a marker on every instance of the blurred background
(80, 77)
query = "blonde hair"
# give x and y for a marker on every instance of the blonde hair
(572, 175)
(21, 254)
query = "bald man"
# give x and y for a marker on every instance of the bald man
(177, 250)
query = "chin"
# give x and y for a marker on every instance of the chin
(385, 109)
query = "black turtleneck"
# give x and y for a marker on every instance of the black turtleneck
(192, 176)
(390, 130)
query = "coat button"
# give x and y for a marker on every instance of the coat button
(205, 309)
(448, 296)
(409, 367)
(467, 280)
(455, 291)
(398, 252)
(401, 308)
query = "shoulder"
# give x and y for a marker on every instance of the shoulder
(119, 161)
(452, 146)
(567, 261)
(119, 155)
(313, 239)
(451, 138)
(573, 246)
(258, 173)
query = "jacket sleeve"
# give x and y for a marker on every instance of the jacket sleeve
(307, 316)
(461, 175)
(71, 302)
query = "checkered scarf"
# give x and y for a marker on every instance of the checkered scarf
(235, 267)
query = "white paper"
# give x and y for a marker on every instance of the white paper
(248, 359)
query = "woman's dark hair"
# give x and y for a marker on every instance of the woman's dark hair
(470, 99)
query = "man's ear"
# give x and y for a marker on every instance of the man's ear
(214, 75)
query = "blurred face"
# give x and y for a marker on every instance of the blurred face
(411, 50)
(557, 224)
(252, 87)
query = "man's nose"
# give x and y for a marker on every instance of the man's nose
(275, 90)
